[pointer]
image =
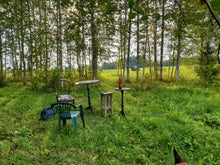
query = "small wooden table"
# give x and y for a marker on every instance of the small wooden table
(106, 97)
(122, 101)
(87, 83)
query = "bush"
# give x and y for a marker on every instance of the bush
(2, 82)
(207, 70)
(54, 76)
(45, 81)
(35, 82)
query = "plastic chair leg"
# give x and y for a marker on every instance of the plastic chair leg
(64, 122)
(59, 124)
(74, 120)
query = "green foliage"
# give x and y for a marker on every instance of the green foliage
(215, 4)
(212, 120)
(111, 65)
(35, 83)
(132, 15)
(45, 80)
(133, 62)
(54, 76)
(2, 82)
(5, 148)
(156, 16)
(131, 3)
(207, 69)
(144, 17)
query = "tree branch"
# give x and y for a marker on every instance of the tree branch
(218, 54)
(213, 15)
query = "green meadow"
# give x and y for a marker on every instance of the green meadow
(159, 117)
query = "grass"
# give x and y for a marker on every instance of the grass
(160, 116)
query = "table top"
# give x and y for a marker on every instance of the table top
(106, 93)
(122, 89)
(87, 82)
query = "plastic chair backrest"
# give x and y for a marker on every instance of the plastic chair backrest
(64, 109)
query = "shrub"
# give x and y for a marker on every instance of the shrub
(54, 76)
(45, 80)
(2, 82)
(35, 82)
(207, 69)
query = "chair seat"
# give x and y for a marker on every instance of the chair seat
(66, 100)
(74, 114)
(62, 91)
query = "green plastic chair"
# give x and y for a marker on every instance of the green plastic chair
(67, 111)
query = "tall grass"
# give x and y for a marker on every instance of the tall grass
(159, 116)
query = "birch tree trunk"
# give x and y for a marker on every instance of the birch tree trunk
(120, 61)
(69, 59)
(1, 56)
(179, 42)
(60, 40)
(125, 37)
(22, 43)
(218, 54)
(94, 43)
(40, 48)
(155, 49)
(145, 49)
(129, 44)
(138, 44)
(173, 62)
(155, 44)
(35, 54)
(162, 42)
(30, 61)
(148, 44)
(46, 54)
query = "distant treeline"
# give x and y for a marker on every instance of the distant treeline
(133, 62)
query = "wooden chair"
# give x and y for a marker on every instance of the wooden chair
(62, 91)
(67, 111)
